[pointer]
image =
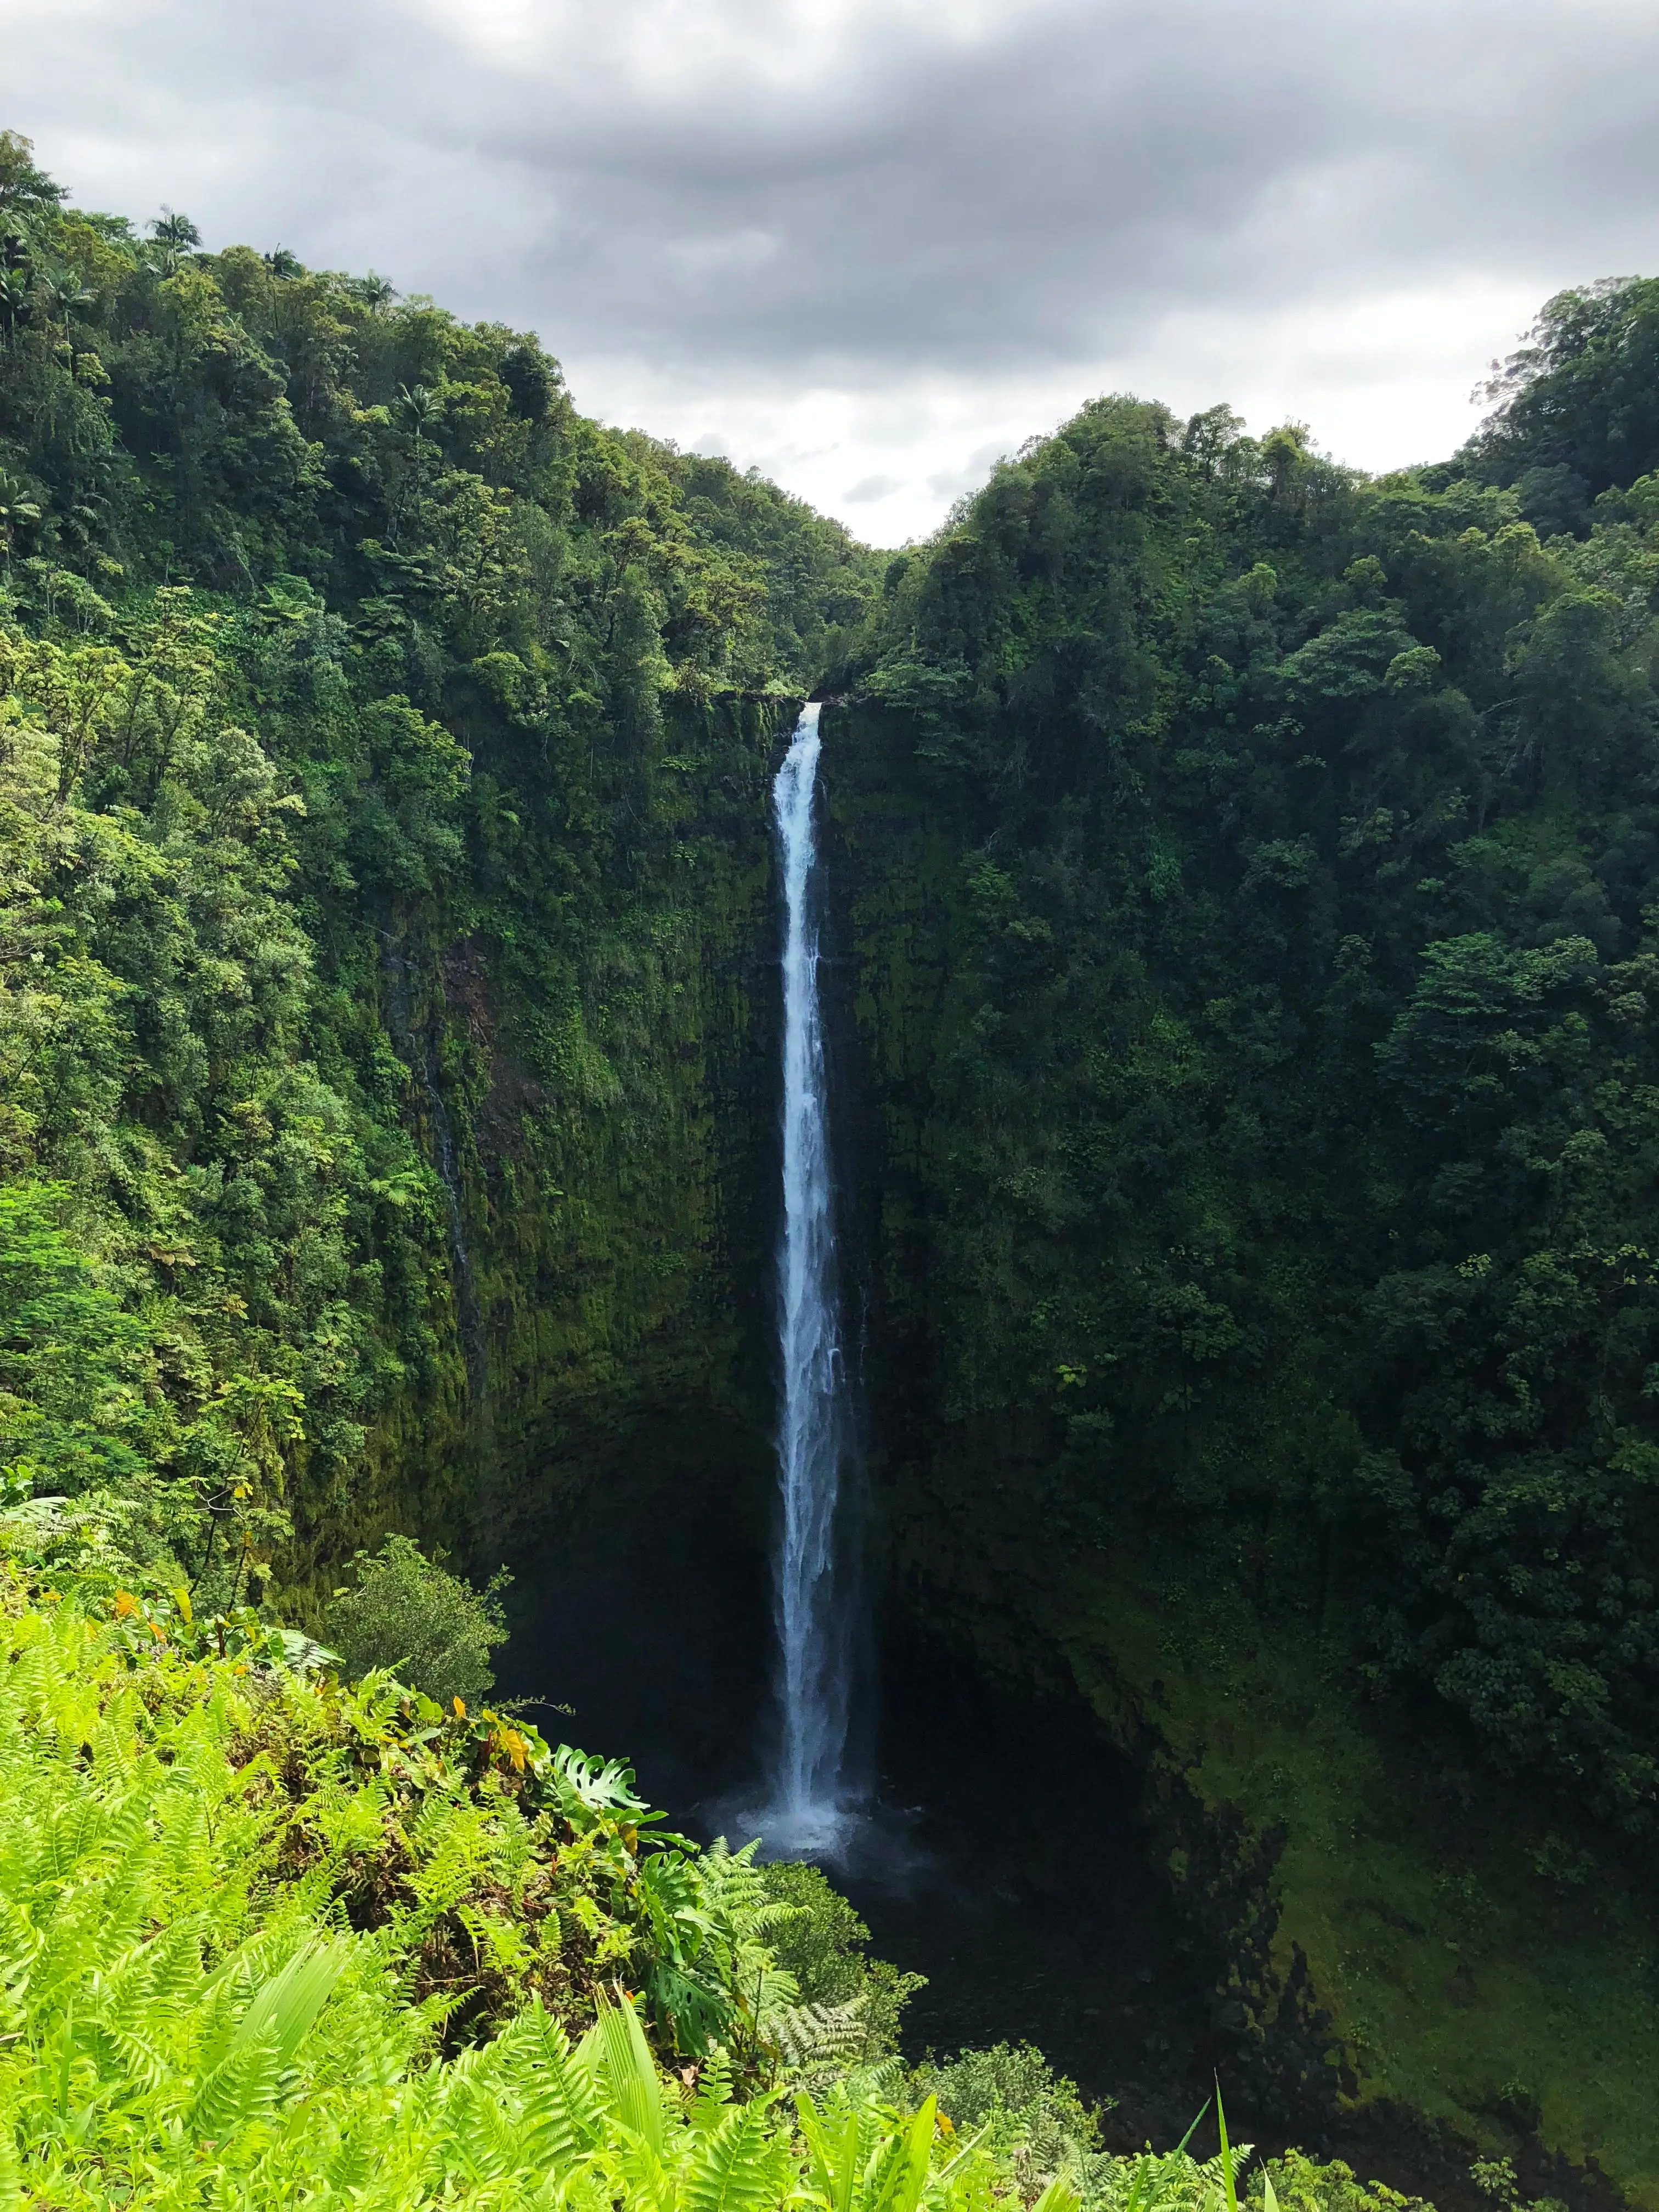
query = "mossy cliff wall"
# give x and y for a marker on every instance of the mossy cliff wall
(593, 1085)
(1405, 1954)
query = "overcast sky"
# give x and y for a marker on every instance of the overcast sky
(871, 244)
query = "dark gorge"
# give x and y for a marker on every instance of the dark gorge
(1239, 882)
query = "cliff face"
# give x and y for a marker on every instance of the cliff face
(1403, 1954)
(1248, 1007)
(604, 1133)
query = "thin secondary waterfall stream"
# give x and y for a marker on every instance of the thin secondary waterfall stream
(813, 1600)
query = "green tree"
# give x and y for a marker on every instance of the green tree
(411, 1616)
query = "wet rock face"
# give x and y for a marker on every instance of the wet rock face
(600, 1109)
(643, 1623)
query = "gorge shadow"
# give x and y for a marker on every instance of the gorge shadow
(1023, 1886)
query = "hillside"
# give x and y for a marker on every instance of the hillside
(1250, 873)
(385, 878)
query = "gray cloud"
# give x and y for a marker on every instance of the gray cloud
(869, 488)
(967, 476)
(858, 193)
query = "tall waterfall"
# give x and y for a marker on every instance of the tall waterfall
(814, 1432)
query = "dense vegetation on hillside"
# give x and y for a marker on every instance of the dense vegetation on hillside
(1269, 967)
(383, 752)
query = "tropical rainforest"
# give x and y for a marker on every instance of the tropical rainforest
(1244, 899)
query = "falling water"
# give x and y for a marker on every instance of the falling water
(809, 1811)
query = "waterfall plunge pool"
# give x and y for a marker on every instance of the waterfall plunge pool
(1006, 1862)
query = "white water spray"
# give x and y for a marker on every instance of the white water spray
(809, 1811)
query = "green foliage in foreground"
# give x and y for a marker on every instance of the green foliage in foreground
(820, 1941)
(1033, 2118)
(265, 1941)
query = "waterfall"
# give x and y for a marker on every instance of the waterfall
(813, 1600)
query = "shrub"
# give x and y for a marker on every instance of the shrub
(1033, 2117)
(416, 1619)
(820, 1939)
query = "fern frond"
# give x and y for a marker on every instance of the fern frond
(147, 2063)
(242, 2088)
(76, 1829)
(482, 2137)
(815, 2037)
(566, 2111)
(741, 2165)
